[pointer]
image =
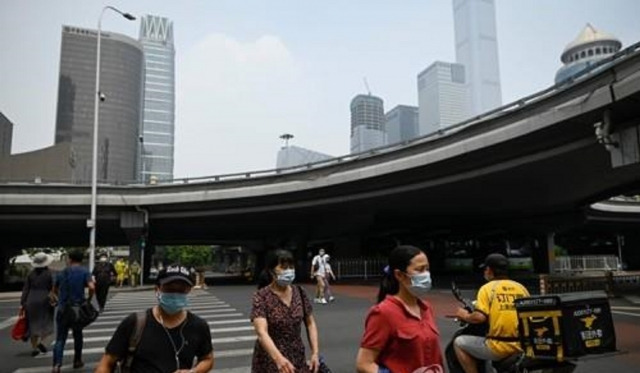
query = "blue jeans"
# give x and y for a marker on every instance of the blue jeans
(62, 331)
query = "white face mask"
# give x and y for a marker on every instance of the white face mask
(286, 277)
(420, 284)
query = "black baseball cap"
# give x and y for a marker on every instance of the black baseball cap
(496, 261)
(174, 273)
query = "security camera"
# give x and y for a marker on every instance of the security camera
(102, 96)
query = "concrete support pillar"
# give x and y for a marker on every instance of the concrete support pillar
(145, 261)
(134, 250)
(4, 263)
(298, 246)
(551, 254)
(631, 256)
(623, 145)
(544, 256)
(134, 224)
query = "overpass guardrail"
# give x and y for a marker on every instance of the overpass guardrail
(499, 111)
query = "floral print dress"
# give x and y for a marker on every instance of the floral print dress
(284, 325)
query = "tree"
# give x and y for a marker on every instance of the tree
(189, 255)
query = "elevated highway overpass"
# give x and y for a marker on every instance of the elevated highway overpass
(540, 162)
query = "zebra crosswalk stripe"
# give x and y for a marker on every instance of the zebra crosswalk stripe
(232, 334)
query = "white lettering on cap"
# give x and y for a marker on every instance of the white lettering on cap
(177, 269)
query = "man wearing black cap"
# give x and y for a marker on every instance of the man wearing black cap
(166, 338)
(494, 305)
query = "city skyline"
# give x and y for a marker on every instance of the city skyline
(241, 80)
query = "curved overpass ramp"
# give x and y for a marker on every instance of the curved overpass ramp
(532, 160)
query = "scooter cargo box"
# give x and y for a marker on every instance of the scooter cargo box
(566, 325)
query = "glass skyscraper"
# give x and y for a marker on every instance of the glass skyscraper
(442, 98)
(121, 74)
(402, 124)
(157, 139)
(477, 51)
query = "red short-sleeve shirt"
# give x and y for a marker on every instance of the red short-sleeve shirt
(407, 344)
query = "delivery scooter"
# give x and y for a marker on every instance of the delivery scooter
(518, 363)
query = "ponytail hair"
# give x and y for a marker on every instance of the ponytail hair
(399, 258)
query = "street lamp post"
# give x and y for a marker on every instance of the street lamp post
(91, 223)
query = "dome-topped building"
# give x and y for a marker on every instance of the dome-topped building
(589, 47)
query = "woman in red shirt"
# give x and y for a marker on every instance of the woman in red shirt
(400, 331)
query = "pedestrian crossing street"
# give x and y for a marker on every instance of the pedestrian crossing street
(232, 333)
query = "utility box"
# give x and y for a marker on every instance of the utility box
(559, 326)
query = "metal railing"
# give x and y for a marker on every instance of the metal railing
(363, 268)
(613, 283)
(586, 263)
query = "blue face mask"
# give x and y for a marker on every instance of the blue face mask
(172, 303)
(286, 277)
(420, 284)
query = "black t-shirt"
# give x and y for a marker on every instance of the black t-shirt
(103, 271)
(155, 353)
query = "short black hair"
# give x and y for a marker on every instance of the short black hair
(76, 255)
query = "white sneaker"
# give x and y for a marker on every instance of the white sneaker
(323, 301)
(332, 298)
(316, 300)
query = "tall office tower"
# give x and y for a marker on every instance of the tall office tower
(442, 98)
(157, 141)
(477, 50)
(121, 72)
(402, 124)
(6, 135)
(291, 155)
(367, 123)
(587, 49)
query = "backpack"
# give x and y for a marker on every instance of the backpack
(124, 365)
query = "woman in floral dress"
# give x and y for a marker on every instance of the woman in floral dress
(279, 309)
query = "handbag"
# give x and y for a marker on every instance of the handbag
(79, 315)
(20, 330)
(322, 368)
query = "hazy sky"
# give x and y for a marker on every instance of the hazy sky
(248, 70)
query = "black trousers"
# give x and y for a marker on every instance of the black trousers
(102, 290)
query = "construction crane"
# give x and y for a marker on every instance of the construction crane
(366, 85)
